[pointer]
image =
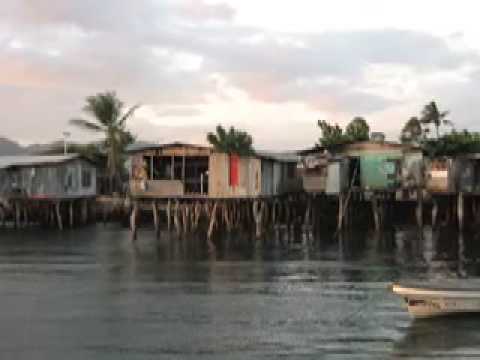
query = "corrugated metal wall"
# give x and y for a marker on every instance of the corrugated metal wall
(63, 180)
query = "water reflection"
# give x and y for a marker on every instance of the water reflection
(92, 293)
(455, 336)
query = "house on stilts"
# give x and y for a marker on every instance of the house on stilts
(188, 180)
(44, 188)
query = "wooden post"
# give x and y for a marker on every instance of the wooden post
(340, 212)
(419, 209)
(274, 212)
(17, 214)
(25, 214)
(169, 214)
(307, 223)
(376, 215)
(133, 221)
(198, 212)
(176, 217)
(84, 211)
(59, 215)
(51, 220)
(70, 212)
(258, 208)
(434, 212)
(460, 210)
(185, 217)
(212, 221)
(155, 218)
(226, 215)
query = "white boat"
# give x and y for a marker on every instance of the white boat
(428, 300)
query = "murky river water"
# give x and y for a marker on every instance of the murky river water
(91, 294)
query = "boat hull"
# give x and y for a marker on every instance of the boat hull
(430, 302)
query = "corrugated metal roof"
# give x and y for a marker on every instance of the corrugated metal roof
(136, 147)
(288, 156)
(34, 160)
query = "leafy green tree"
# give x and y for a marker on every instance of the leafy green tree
(431, 115)
(462, 142)
(357, 130)
(331, 134)
(412, 132)
(232, 141)
(109, 118)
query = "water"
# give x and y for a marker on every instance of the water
(91, 294)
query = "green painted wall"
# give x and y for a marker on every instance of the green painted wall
(378, 171)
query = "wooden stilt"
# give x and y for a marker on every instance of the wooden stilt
(133, 220)
(17, 214)
(212, 221)
(59, 215)
(274, 212)
(419, 209)
(198, 212)
(155, 218)
(169, 211)
(70, 212)
(434, 212)
(460, 210)
(84, 211)
(51, 220)
(376, 214)
(226, 216)
(340, 212)
(185, 217)
(258, 208)
(25, 214)
(307, 219)
(176, 217)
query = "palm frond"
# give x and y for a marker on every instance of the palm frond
(128, 114)
(85, 124)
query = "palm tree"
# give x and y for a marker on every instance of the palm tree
(232, 141)
(110, 119)
(412, 132)
(431, 115)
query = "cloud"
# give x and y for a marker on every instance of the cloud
(170, 55)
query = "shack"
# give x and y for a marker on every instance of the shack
(38, 187)
(47, 177)
(383, 166)
(322, 172)
(449, 175)
(186, 170)
(369, 165)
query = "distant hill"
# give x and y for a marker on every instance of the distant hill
(10, 147)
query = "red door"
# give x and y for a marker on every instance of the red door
(234, 178)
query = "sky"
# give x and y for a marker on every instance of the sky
(272, 68)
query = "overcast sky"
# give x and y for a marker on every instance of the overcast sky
(270, 67)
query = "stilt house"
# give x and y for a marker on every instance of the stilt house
(186, 170)
(47, 177)
(366, 166)
(450, 174)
